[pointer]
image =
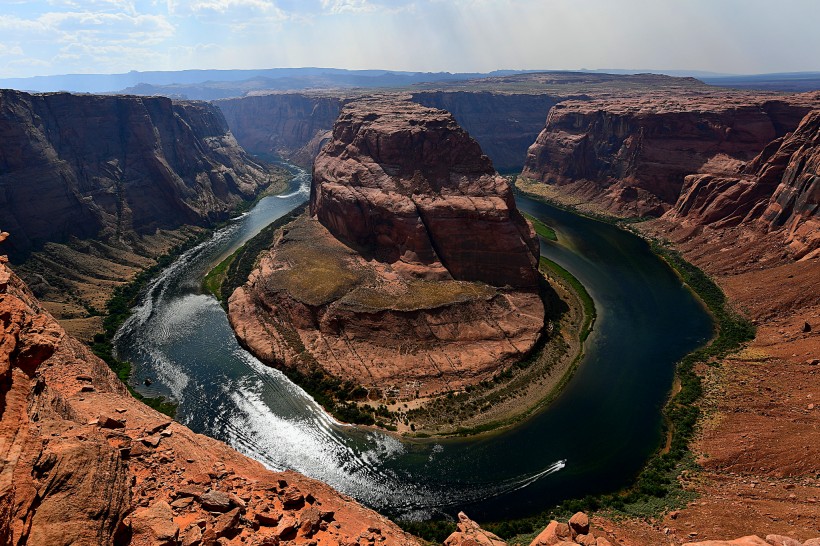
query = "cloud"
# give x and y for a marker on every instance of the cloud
(453, 35)
(240, 8)
(106, 38)
(10, 51)
(341, 6)
(126, 6)
(108, 28)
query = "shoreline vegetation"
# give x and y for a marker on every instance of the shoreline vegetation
(511, 396)
(119, 306)
(659, 487)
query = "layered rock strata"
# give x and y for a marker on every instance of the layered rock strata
(406, 183)
(778, 191)
(115, 166)
(85, 463)
(294, 126)
(415, 273)
(631, 155)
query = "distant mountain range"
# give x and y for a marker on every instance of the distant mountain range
(217, 84)
(279, 78)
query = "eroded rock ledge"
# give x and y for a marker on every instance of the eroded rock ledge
(629, 156)
(415, 273)
(85, 463)
(778, 192)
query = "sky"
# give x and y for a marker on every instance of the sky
(49, 37)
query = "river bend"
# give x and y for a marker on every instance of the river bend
(593, 438)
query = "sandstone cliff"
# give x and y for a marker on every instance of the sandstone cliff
(504, 114)
(289, 125)
(84, 463)
(779, 191)
(115, 166)
(630, 155)
(407, 183)
(415, 273)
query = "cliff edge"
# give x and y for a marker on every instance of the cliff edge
(629, 156)
(83, 462)
(778, 192)
(115, 167)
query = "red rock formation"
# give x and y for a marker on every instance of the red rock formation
(85, 463)
(469, 533)
(417, 273)
(289, 125)
(631, 155)
(109, 166)
(409, 185)
(778, 191)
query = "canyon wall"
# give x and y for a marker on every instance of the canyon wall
(777, 192)
(113, 166)
(289, 125)
(415, 272)
(295, 125)
(630, 155)
(504, 124)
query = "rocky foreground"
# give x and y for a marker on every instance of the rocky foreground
(84, 463)
(578, 530)
(414, 274)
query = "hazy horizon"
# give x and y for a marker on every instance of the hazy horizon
(59, 37)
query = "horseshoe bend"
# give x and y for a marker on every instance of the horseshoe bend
(411, 276)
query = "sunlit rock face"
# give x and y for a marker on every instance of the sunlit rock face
(630, 156)
(408, 184)
(413, 270)
(777, 192)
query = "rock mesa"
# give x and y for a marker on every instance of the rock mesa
(414, 273)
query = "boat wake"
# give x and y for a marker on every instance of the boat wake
(303, 179)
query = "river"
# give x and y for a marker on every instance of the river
(594, 438)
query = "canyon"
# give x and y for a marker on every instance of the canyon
(413, 274)
(94, 188)
(732, 182)
(295, 125)
(756, 234)
(504, 114)
(731, 176)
